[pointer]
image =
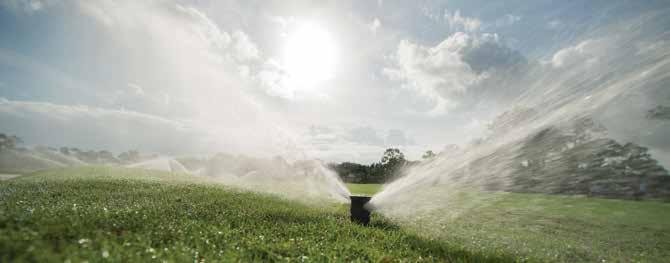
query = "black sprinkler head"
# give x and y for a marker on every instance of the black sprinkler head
(359, 214)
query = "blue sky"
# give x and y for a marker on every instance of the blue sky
(253, 77)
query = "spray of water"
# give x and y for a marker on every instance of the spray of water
(559, 119)
(305, 180)
(308, 181)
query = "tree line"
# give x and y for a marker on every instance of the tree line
(391, 165)
(13, 143)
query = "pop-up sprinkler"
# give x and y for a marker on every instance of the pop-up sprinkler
(359, 214)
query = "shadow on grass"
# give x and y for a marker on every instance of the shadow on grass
(384, 224)
(435, 249)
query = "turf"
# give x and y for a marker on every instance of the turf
(126, 215)
(364, 189)
(547, 227)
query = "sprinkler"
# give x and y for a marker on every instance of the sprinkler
(359, 214)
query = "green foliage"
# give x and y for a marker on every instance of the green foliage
(9, 141)
(428, 155)
(127, 215)
(392, 156)
(364, 189)
(391, 163)
(659, 113)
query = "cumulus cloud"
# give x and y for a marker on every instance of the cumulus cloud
(555, 24)
(183, 25)
(244, 48)
(120, 130)
(397, 138)
(137, 89)
(316, 130)
(362, 144)
(95, 127)
(487, 52)
(172, 62)
(274, 79)
(28, 6)
(587, 52)
(444, 72)
(192, 67)
(362, 135)
(375, 25)
(365, 135)
(457, 22)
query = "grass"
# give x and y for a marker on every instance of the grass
(547, 227)
(126, 215)
(364, 189)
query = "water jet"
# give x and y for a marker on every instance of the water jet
(359, 213)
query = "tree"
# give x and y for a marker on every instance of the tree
(64, 150)
(392, 156)
(9, 141)
(659, 113)
(129, 157)
(352, 172)
(428, 155)
(392, 160)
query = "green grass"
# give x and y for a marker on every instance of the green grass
(125, 215)
(547, 227)
(364, 189)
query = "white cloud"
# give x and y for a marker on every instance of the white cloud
(375, 25)
(445, 72)
(99, 11)
(28, 6)
(42, 123)
(464, 23)
(586, 53)
(176, 24)
(95, 128)
(365, 135)
(396, 137)
(362, 143)
(190, 58)
(137, 89)
(244, 48)
(555, 24)
(275, 81)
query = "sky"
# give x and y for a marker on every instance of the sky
(332, 80)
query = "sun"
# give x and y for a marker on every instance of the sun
(309, 55)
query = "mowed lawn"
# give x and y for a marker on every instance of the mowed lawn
(126, 215)
(544, 227)
(364, 189)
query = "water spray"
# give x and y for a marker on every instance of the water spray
(359, 213)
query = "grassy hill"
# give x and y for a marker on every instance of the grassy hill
(14, 161)
(121, 214)
(104, 213)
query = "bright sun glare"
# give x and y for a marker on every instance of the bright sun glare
(309, 55)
